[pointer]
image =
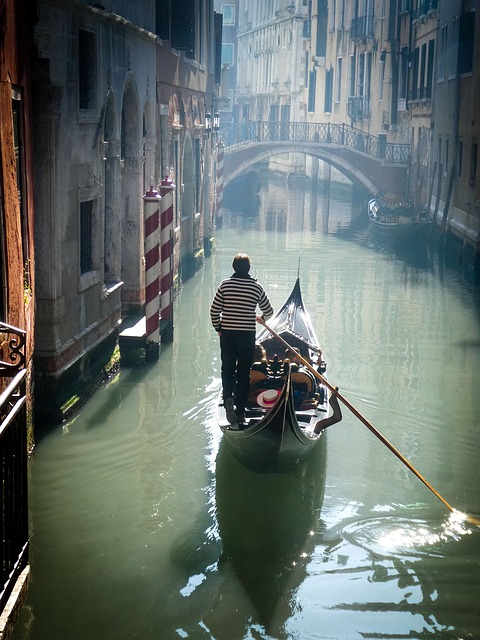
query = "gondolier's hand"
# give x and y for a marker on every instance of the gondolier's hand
(260, 320)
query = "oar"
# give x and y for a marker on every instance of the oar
(368, 424)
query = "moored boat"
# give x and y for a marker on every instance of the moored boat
(288, 406)
(393, 219)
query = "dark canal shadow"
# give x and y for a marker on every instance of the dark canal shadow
(266, 524)
(415, 252)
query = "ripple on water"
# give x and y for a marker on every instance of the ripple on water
(386, 535)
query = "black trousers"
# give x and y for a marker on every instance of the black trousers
(237, 351)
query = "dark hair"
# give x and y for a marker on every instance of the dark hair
(241, 263)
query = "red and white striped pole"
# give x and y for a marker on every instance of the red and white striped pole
(152, 284)
(219, 185)
(167, 189)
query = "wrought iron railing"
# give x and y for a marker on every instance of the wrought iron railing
(311, 132)
(423, 7)
(12, 349)
(362, 28)
(13, 455)
(359, 107)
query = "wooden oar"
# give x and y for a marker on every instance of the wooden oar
(368, 424)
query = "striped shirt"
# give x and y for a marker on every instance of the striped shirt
(235, 303)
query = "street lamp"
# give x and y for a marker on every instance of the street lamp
(208, 123)
(216, 121)
(211, 124)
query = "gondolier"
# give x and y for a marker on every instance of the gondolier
(233, 313)
(288, 409)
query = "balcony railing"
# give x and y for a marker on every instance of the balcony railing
(424, 7)
(359, 107)
(362, 28)
(13, 453)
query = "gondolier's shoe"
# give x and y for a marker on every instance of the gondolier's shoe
(230, 411)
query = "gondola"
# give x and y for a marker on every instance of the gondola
(279, 437)
(393, 220)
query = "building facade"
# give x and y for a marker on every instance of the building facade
(407, 72)
(119, 98)
(455, 134)
(17, 300)
(226, 102)
(271, 43)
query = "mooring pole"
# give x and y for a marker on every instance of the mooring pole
(152, 283)
(167, 189)
(219, 184)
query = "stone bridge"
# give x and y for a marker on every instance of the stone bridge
(370, 162)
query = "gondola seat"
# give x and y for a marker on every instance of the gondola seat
(303, 381)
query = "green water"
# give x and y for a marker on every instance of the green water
(144, 527)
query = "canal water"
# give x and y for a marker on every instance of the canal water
(144, 527)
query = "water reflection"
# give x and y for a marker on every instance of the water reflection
(267, 524)
(144, 527)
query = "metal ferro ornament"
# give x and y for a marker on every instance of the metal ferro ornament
(12, 349)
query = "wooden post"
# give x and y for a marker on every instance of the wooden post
(167, 189)
(219, 183)
(152, 285)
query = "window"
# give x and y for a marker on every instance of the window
(87, 71)
(86, 219)
(404, 60)
(361, 75)
(228, 12)
(431, 56)
(227, 54)
(183, 33)
(327, 106)
(422, 78)
(473, 164)
(338, 81)
(311, 91)
(443, 52)
(416, 74)
(465, 42)
(322, 17)
(459, 158)
(352, 75)
(381, 79)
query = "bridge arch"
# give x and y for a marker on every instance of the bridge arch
(235, 168)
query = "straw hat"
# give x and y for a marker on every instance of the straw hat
(268, 398)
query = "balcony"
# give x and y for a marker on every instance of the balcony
(358, 107)
(362, 28)
(424, 7)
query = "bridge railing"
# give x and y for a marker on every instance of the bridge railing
(325, 133)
